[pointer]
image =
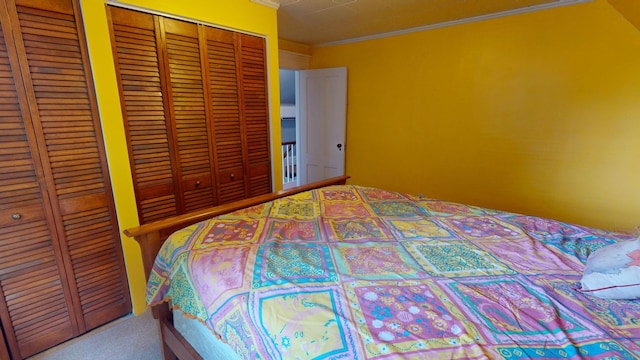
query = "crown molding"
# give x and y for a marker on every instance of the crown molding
(527, 9)
(270, 3)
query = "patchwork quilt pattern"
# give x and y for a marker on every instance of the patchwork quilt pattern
(350, 272)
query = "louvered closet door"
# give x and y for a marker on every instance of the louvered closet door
(189, 118)
(64, 112)
(35, 303)
(256, 112)
(225, 109)
(141, 97)
(195, 104)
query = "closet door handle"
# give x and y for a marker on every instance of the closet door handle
(16, 216)
(232, 176)
(197, 183)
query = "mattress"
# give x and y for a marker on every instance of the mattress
(351, 272)
(202, 339)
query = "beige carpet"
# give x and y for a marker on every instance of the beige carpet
(128, 338)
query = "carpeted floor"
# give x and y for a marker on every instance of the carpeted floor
(128, 338)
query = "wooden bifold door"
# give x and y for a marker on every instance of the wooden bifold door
(195, 105)
(61, 269)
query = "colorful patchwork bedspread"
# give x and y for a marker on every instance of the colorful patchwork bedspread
(349, 272)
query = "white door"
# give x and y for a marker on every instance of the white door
(322, 106)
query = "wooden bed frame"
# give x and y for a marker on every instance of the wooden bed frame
(150, 237)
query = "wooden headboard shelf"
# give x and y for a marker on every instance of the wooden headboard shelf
(150, 235)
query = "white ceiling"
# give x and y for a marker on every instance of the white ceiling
(318, 22)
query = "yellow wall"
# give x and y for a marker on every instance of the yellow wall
(236, 14)
(630, 9)
(537, 113)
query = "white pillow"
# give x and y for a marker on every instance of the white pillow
(613, 272)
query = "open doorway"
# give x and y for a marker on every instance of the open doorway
(288, 125)
(313, 122)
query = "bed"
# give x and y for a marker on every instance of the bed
(338, 271)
